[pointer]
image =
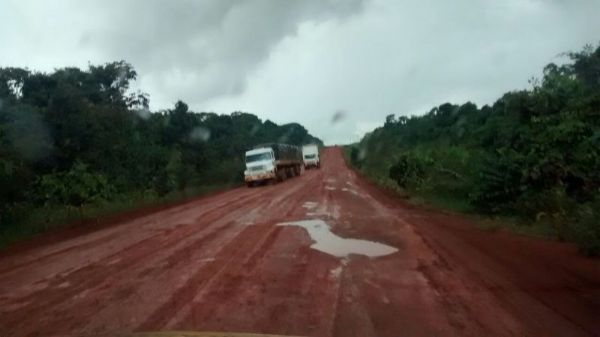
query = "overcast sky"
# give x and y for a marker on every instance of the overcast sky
(304, 61)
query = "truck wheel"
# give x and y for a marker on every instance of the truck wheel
(249, 184)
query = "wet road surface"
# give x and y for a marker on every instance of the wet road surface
(325, 254)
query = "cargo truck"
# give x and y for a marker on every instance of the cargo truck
(310, 156)
(272, 162)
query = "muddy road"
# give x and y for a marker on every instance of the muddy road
(325, 254)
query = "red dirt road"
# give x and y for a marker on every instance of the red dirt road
(221, 263)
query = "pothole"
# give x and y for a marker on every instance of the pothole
(327, 242)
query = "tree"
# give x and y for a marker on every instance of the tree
(78, 136)
(74, 188)
(532, 152)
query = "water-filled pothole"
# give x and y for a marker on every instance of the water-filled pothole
(327, 242)
(309, 205)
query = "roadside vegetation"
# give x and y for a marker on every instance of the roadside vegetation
(533, 156)
(77, 144)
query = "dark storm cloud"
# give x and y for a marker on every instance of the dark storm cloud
(201, 48)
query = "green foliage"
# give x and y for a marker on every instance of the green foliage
(498, 181)
(534, 153)
(75, 187)
(585, 230)
(80, 138)
(409, 169)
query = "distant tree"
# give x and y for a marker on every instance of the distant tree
(77, 136)
(390, 119)
(533, 153)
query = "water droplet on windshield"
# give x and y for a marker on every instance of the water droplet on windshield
(338, 116)
(200, 133)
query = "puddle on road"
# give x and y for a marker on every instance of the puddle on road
(327, 242)
(330, 188)
(351, 191)
(309, 205)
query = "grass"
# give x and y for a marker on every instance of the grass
(34, 221)
(446, 201)
(441, 201)
(517, 225)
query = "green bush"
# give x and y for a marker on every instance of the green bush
(585, 229)
(497, 184)
(74, 188)
(409, 170)
(534, 154)
(425, 170)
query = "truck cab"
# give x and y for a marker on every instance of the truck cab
(260, 165)
(310, 156)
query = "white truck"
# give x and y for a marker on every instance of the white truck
(310, 156)
(272, 162)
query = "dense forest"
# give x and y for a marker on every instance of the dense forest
(76, 141)
(533, 155)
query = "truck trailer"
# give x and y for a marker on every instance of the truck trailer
(310, 156)
(272, 162)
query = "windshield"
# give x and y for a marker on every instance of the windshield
(300, 168)
(258, 157)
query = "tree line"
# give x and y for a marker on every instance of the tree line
(533, 154)
(76, 137)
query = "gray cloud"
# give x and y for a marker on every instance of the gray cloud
(303, 61)
(405, 57)
(202, 49)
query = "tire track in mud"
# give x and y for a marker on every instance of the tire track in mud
(83, 279)
(276, 205)
(499, 285)
(246, 278)
(292, 206)
(86, 279)
(234, 250)
(280, 203)
(90, 244)
(210, 218)
(89, 278)
(222, 263)
(262, 248)
(228, 281)
(352, 318)
(145, 222)
(118, 229)
(181, 258)
(178, 260)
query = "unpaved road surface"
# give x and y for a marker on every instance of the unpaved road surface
(222, 263)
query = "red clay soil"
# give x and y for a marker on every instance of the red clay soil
(221, 263)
